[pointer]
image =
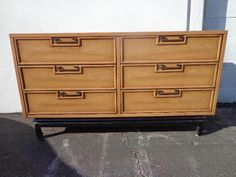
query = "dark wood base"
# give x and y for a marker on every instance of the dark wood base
(39, 123)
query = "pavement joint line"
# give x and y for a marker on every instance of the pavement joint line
(134, 152)
(104, 154)
(193, 164)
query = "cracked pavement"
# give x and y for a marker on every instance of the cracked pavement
(151, 151)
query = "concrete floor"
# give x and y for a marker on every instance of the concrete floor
(125, 152)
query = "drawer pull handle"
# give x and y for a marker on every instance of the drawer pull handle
(162, 93)
(171, 40)
(74, 94)
(65, 41)
(164, 67)
(72, 69)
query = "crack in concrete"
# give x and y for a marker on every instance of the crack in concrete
(104, 154)
(144, 160)
(51, 171)
(134, 152)
(192, 162)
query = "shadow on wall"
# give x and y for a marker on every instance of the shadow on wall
(215, 19)
(228, 83)
(215, 14)
(26, 156)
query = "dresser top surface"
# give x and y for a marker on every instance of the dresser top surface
(208, 32)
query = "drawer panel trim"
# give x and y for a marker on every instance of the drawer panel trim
(66, 49)
(146, 49)
(183, 100)
(175, 75)
(73, 102)
(69, 77)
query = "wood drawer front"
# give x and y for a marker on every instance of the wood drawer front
(70, 102)
(92, 50)
(148, 49)
(69, 76)
(169, 75)
(150, 101)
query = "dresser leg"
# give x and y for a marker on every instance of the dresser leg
(199, 129)
(38, 132)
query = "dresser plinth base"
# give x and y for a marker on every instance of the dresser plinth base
(67, 123)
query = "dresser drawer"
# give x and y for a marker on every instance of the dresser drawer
(69, 102)
(167, 100)
(66, 49)
(169, 75)
(171, 48)
(69, 76)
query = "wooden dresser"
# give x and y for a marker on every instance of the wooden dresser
(107, 75)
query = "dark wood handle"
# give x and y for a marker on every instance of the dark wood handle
(65, 41)
(161, 92)
(70, 94)
(164, 67)
(62, 69)
(65, 94)
(167, 93)
(68, 69)
(171, 39)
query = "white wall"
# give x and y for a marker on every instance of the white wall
(220, 15)
(29, 16)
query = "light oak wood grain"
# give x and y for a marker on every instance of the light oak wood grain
(189, 75)
(89, 50)
(106, 75)
(89, 76)
(117, 34)
(146, 49)
(91, 102)
(147, 101)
